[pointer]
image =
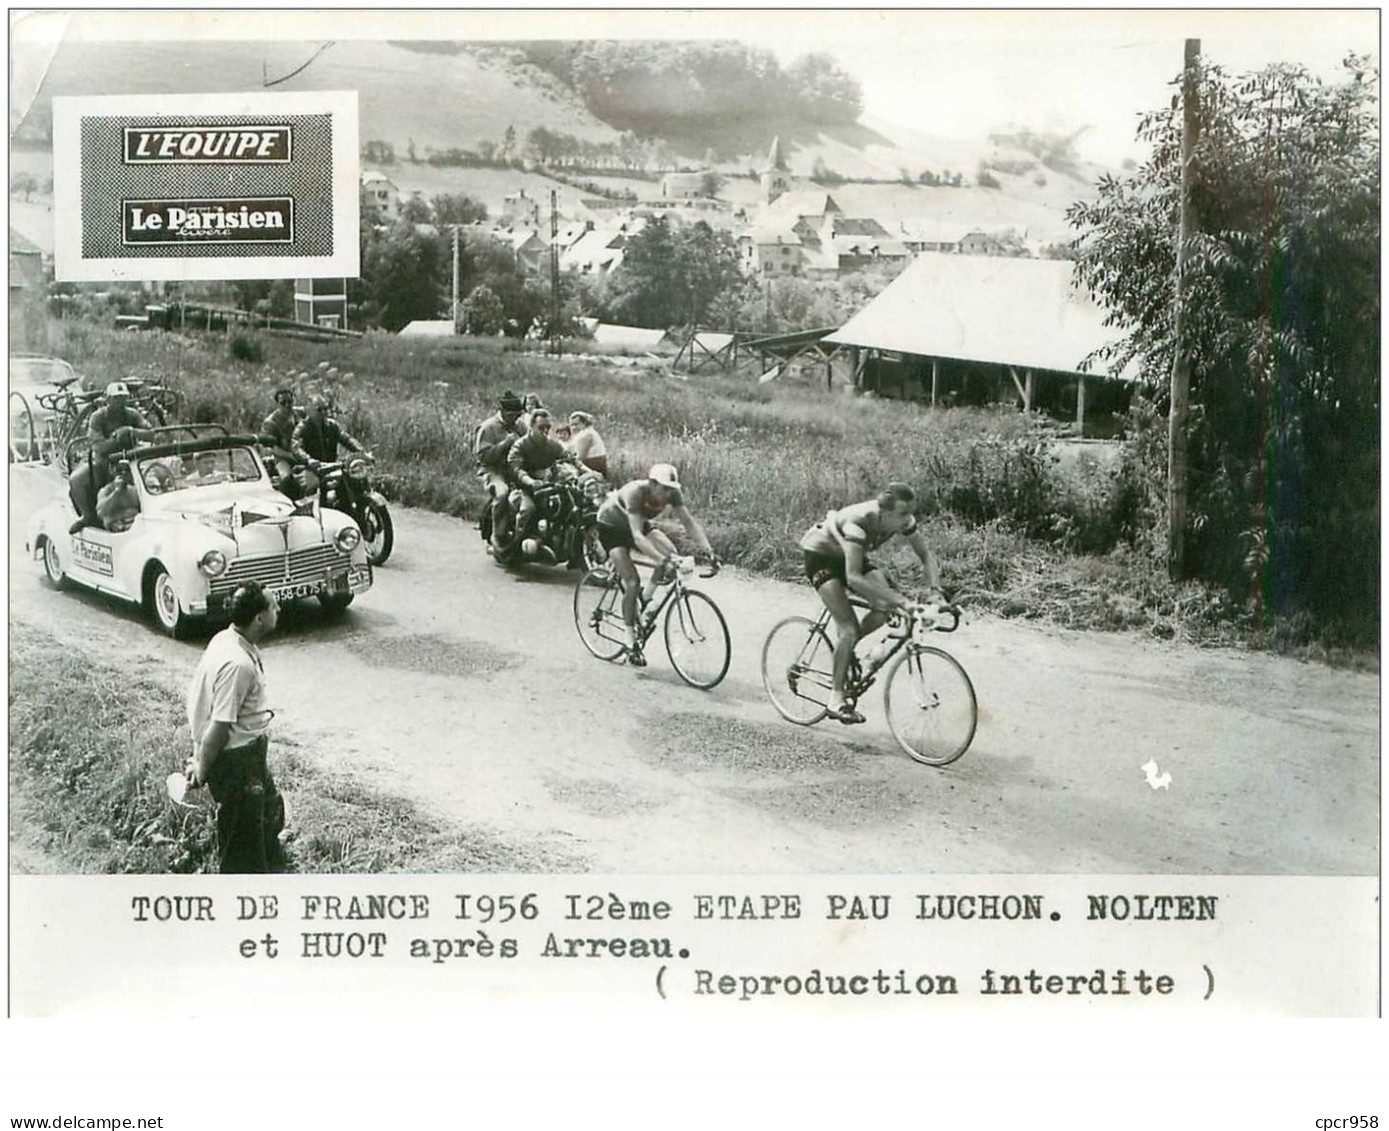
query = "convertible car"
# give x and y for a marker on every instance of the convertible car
(209, 520)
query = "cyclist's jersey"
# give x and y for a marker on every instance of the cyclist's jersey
(861, 523)
(106, 420)
(637, 497)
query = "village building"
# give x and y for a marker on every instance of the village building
(520, 208)
(683, 186)
(963, 329)
(380, 196)
(28, 295)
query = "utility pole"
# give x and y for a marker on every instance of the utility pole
(455, 279)
(1181, 362)
(552, 347)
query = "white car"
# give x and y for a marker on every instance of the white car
(210, 519)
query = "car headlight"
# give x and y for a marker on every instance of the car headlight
(347, 539)
(213, 563)
(357, 468)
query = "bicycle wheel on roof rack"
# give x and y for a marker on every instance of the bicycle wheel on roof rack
(23, 438)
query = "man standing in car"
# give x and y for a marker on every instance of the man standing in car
(230, 724)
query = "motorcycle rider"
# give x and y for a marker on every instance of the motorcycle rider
(493, 441)
(529, 461)
(316, 439)
(278, 427)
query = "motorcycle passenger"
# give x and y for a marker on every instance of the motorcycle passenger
(586, 443)
(529, 461)
(490, 447)
(624, 525)
(112, 427)
(316, 438)
(278, 427)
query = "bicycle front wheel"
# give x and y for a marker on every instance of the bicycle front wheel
(697, 640)
(798, 670)
(598, 614)
(931, 706)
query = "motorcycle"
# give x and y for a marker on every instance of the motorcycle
(345, 485)
(564, 526)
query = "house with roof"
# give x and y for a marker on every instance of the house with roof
(525, 244)
(520, 208)
(683, 186)
(925, 234)
(595, 252)
(769, 252)
(960, 329)
(381, 196)
(28, 295)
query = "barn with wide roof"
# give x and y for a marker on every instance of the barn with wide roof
(959, 329)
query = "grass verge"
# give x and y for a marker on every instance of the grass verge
(91, 746)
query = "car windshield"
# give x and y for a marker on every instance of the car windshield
(25, 371)
(164, 474)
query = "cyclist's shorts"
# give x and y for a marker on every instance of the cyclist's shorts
(820, 568)
(611, 537)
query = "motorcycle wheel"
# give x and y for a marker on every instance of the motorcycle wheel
(377, 532)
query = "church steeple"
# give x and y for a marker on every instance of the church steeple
(776, 177)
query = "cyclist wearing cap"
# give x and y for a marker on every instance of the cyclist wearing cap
(624, 525)
(490, 447)
(836, 562)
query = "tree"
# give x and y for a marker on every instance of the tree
(404, 275)
(457, 208)
(482, 312)
(669, 276)
(416, 210)
(25, 183)
(1281, 322)
(378, 153)
(710, 184)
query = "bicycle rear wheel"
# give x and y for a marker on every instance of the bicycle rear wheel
(23, 439)
(697, 640)
(598, 614)
(931, 706)
(798, 670)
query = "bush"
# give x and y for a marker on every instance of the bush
(246, 347)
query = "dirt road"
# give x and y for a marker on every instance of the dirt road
(466, 689)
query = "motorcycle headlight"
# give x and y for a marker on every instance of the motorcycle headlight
(542, 525)
(594, 489)
(357, 468)
(213, 563)
(347, 539)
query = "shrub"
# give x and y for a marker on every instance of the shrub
(245, 347)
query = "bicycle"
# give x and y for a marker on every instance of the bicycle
(696, 635)
(931, 706)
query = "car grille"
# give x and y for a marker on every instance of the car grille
(310, 563)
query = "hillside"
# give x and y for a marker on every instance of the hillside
(442, 96)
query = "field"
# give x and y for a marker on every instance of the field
(1017, 532)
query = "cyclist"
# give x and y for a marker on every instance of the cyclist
(494, 438)
(624, 525)
(316, 439)
(529, 460)
(836, 562)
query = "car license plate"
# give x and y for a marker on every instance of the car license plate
(294, 592)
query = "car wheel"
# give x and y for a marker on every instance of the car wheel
(165, 606)
(53, 565)
(334, 603)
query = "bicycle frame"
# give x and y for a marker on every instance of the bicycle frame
(859, 680)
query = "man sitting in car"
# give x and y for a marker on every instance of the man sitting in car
(112, 427)
(117, 503)
(529, 461)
